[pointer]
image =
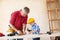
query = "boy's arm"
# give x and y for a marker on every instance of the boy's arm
(37, 29)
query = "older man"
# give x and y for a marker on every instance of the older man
(18, 20)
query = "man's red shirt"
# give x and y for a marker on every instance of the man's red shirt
(17, 20)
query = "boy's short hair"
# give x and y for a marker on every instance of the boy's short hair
(27, 9)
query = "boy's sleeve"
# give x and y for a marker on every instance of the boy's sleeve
(37, 28)
(25, 21)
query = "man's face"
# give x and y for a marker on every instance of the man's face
(24, 13)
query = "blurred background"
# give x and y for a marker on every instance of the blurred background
(45, 12)
(38, 10)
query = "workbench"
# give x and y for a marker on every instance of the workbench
(31, 36)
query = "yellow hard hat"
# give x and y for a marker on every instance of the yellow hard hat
(30, 20)
(10, 30)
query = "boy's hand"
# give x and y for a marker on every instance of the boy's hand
(35, 31)
(30, 32)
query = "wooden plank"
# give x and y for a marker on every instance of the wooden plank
(50, 12)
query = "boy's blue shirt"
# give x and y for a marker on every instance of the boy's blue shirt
(35, 27)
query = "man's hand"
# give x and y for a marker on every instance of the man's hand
(20, 32)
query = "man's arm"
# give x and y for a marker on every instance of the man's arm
(12, 20)
(18, 31)
(24, 25)
(13, 27)
(24, 28)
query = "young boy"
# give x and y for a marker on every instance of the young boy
(35, 27)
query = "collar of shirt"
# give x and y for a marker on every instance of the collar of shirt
(34, 24)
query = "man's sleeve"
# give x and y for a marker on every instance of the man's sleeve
(25, 21)
(13, 18)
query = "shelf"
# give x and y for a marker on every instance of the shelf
(51, 6)
(51, 1)
(54, 19)
(53, 10)
(55, 30)
(58, 10)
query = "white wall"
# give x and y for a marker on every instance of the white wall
(37, 7)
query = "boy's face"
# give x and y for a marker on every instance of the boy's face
(32, 23)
